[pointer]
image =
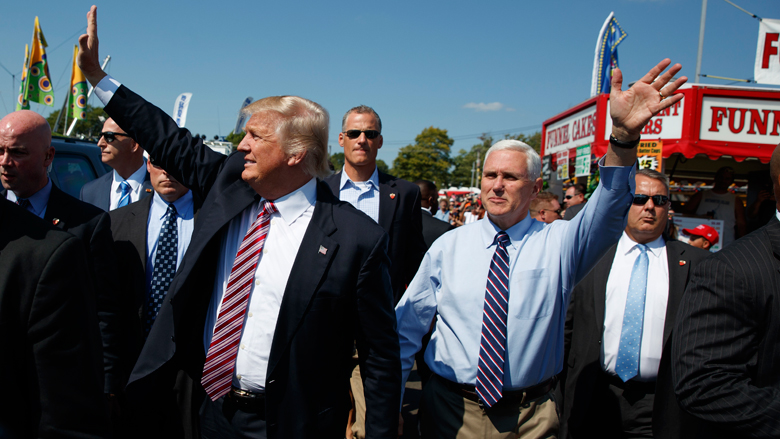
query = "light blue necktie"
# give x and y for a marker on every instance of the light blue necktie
(627, 365)
(124, 200)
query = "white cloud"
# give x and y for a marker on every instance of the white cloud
(493, 106)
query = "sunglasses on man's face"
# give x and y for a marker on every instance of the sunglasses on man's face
(354, 134)
(658, 200)
(110, 136)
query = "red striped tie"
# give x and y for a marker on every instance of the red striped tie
(221, 357)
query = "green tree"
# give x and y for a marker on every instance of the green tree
(428, 158)
(89, 128)
(465, 160)
(337, 160)
(235, 138)
(534, 140)
(382, 166)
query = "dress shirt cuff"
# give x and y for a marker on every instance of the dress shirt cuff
(614, 177)
(106, 88)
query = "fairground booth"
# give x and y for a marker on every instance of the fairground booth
(712, 127)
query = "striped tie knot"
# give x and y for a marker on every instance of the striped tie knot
(502, 239)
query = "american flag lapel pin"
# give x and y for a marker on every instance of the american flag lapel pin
(55, 221)
(148, 191)
(392, 196)
(323, 250)
(683, 263)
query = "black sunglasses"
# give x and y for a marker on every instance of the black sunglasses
(110, 136)
(354, 134)
(658, 200)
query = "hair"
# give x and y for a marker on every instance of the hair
(361, 109)
(427, 188)
(655, 175)
(303, 128)
(542, 199)
(579, 188)
(533, 162)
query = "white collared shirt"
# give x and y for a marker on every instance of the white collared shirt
(274, 265)
(136, 181)
(656, 299)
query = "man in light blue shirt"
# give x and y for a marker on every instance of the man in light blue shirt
(494, 351)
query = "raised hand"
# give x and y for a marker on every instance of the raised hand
(633, 108)
(88, 58)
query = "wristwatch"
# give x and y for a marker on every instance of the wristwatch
(624, 145)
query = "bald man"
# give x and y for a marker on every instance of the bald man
(25, 154)
(129, 182)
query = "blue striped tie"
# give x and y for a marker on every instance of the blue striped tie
(492, 347)
(124, 200)
(627, 364)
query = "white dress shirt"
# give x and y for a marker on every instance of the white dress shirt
(136, 181)
(274, 265)
(655, 306)
(364, 195)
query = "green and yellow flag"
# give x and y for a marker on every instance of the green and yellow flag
(77, 100)
(39, 88)
(21, 102)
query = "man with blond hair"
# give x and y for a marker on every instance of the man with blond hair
(545, 207)
(276, 365)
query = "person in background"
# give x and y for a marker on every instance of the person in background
(702, 236)
(545, 207)
(720, 203)
(574, 200)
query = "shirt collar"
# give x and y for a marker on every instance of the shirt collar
(184, 205)
(136, 179)
(294, 204)
(516, 232)
(626, 245)
(374, 179)
(38, 200)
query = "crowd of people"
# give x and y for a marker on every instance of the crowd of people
(193, 294)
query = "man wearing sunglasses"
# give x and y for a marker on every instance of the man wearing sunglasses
(391, 202)
(129, 182)
(611, 386)
(545, 207)
(574, 200)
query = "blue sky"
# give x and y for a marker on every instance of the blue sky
(467, 67)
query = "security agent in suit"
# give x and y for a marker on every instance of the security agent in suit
(122, 153)
(26, 138)
(136, 229)
(52, 381)
(726, 343)
(334, 273)
(398, 200)
(392, 202)
(597, 400)
(431, 229)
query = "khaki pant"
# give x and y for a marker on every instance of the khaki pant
(356, 385)
(446, 414)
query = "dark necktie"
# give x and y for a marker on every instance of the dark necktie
(221, 357)
(492, 347)
(24, 203)
(164, 266)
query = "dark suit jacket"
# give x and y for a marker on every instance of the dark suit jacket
(432, 228)
(98, 191)
(583, 334)
(726, 347)
(337, 274)
(51, 374)
(399, 215)
(93, 227)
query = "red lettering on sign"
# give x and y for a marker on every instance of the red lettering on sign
(733, 122)
(658, 127)
(769, 49)
(676, 107)
(558, 136)
(717, 118)
(756, 122)
(777, 123)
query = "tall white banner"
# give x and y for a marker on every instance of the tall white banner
(767, 70)
(241, 116)
(180, 108)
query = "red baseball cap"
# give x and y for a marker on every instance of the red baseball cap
(705, 232)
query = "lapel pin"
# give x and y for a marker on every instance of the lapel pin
(55, 221)
(392, 196)
(148, 191)
(323, 250)
(683, 263)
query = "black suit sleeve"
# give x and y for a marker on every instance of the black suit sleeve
(60, 336)
(720, 327)
(378, 346)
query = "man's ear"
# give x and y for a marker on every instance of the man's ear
(296, 159)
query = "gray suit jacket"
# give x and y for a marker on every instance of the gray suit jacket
(98, 192)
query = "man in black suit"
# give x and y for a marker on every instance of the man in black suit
(312, 274)
(137, 230)
(726, 343)
(432, 228)
(129, 182)
(27, 137)
(600, 394)
(52, 377)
